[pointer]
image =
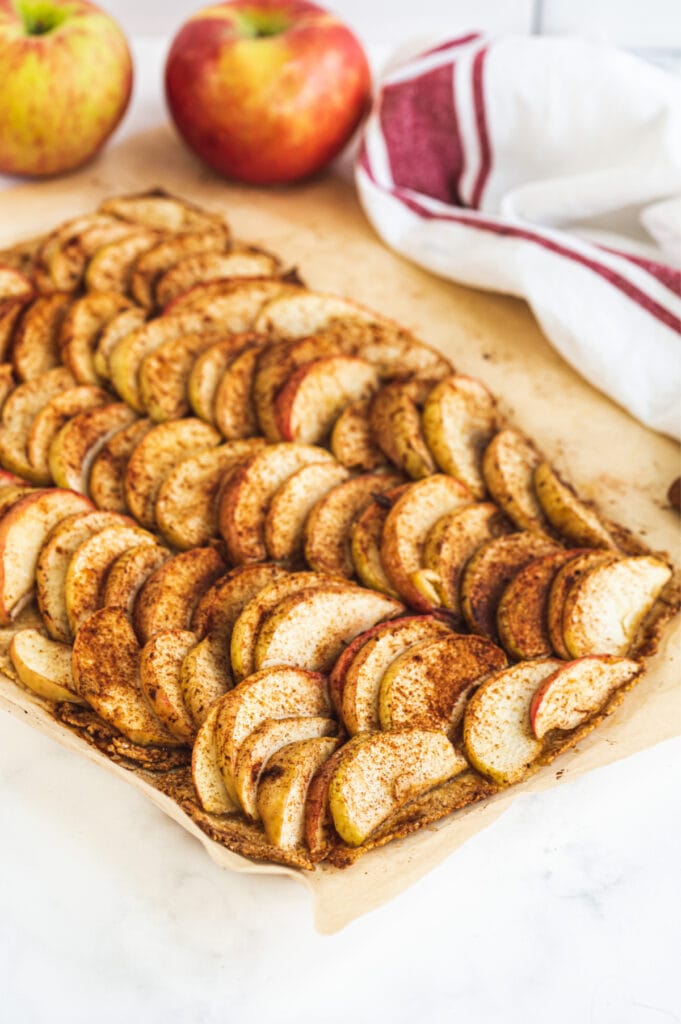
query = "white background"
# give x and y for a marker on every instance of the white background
(567, 909)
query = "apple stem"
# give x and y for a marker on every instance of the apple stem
(40, 17)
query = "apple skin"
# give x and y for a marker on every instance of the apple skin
(62, 92)
(266, 91)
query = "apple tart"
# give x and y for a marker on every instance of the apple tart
(264, 546)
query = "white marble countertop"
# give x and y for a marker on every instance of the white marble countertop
(567, 908)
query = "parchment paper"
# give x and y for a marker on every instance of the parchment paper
(320, 228)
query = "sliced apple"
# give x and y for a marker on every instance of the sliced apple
(14, 284)
(114, 331)
(207, 371)
(303, 314)
(163, 376)
(355, 681)
(316, 393)
(77, 444)
(169, 596)
(206, 774)
(156, 454)
(570, 516)
(272, 694)
(247, 495)
(24, 528)
(52, 418)
(459, 420)
(578, 690)
(489, 571)
(497, 734)
(378, 773)
(10, 311)
(161, 211)
(310, 629)
(320, 834)
(150, 266)
(19, 410)
(44, 666)
(283, 787)
(522, 613)
(35, 342)
(351, 440)
(395, 420)
(160, 665)
(562, 583)
(605, 607)
(291, 505)
(276, 364)
(366, 535)
(111, 267)
(67, 261)
(452, 541)
(407, 525)
(107, 474)
(80, 332)
(129, 573)
(328, 545)
(186, 507)
(233, 407)
(53, 562)
(106, 658)
(11, 494)
(205, 676)
(60, 238)
(222, 604)
(263, 743)
(428, 686)
(508, 467)
(236, 301)
(394, 351)
(213, 266)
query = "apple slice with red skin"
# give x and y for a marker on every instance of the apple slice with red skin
(160, 666)
(573, 693)
(317, 392)
(169, 596)
(320, 832)
(277, 362)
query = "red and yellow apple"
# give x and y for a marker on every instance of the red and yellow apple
(65, 82)
(266, 91)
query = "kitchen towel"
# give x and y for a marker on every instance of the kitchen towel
(547, 168)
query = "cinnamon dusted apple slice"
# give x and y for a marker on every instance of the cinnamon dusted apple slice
(366, 535)
(163, 376)
(160, 665)
(320, 834)
(522, 613)
(169, 596)
(578, 690)
(282, 791)
(207, 371)
(236, 302)
(206, 775)
(150, 266)
(563, 581)
(328, 546)
(247, 625)
(247, 495)
(67, 261)
(89, 566)
(12, 493)
(316, 393)
(277, 362)
(274, 693)
(10, 311)
(452, 541)
(407, 525)
(52, 417)
(79, 441)
(186, 507)
(233, 408)
(129, 573)
(459, 420)
(53, 562)
(351, 439)
(111, 267)
(14, 284)
(114, 331)
(395, 419)
(162, 211)
(393, 350)
(491, 569)
(497, 734)
(60, 237)
(156, 454)
(213, 266)
(44, 666)
(18, 413)
(508, 467)
(107, 475)
(303, 314)
(428, 685)
(24, 528)
(355, 681)
(605, 607)
(378, 773)
(35, 342)
(292, 504)
(263, 743)
(81, 329)
(570, 516)
(106, 657)
(206, 671)
(310, 629)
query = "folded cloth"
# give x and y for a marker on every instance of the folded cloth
(548, 168)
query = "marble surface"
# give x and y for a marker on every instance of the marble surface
(568, 908)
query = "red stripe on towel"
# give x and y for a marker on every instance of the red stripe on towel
(481, 125)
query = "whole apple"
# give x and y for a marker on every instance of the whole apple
(65, 82)
(266, 91)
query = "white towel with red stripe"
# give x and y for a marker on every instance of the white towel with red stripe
(548, 168)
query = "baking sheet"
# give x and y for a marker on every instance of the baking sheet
(319, 227)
